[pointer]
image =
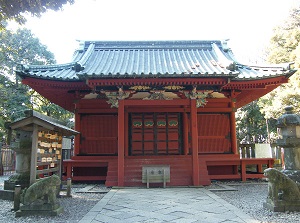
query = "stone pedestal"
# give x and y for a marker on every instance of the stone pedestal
(282, 206)
(42, 210)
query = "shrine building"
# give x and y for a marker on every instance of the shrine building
(154, 103)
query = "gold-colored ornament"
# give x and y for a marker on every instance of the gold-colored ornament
(173, 88)
(140, 88)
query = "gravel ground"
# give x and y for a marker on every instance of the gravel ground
(74, 208)
(249, 197)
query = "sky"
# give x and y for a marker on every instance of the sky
(247, 23)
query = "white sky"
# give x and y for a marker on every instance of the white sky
(247, 23)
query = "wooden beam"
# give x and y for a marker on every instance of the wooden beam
(121, 143)
(175, 102)
(33, 161)
(154, 109)
(158, 81)
(96, 110)
(214, 110)
(194, 134)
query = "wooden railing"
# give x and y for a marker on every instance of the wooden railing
(248, 151)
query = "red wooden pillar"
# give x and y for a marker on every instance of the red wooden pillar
(233, 128)
(121, 142)
(77, 137)
(194, 134)
(126, 133)
(185, 134)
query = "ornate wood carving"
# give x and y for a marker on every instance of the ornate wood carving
(200, 96)
(157, 95)
(114, 97)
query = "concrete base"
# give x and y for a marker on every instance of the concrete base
(41, 210)
(282, 206)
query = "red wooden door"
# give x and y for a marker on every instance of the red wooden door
(99, 134)
(155, 134)
(214, 133)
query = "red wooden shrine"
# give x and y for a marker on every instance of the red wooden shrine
(140, 103)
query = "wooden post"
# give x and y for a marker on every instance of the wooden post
(185, 134)
(121, 143)
(194, 134)
(77, 137)
(17, 196)
(69, 185)
(33, 161)
(233, 128)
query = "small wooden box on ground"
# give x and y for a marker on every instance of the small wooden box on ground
(156, 174)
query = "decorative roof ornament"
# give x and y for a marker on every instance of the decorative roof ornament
(199, 96)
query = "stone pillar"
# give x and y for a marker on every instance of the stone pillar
(289, 139)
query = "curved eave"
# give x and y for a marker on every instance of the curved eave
(49, 72)
(62, 93)
(259, 82)
(209, 81)
(157, 75)
(48, 75)
(55, 84)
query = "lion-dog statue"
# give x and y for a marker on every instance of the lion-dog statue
(43, 191)
(281, 187)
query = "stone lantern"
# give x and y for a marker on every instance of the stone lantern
(23, 150)
(288, 127)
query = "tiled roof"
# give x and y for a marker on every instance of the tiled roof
(33, 117)
(134, 59)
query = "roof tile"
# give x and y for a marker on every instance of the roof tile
(125, 59)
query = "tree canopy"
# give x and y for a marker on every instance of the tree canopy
(15, 48)
(256, 121)
(284, 47)
(15, 9)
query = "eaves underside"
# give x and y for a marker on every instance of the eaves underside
(224, 83)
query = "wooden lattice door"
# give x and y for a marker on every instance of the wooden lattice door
(155, 134)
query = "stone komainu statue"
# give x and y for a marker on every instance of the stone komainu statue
(42, 191)
(280, 186)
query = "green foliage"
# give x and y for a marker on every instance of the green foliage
(259, 120)
(48, 108)
(15, 9)
(21, 47)
(251, 124)
(284, 47)
(14, 100)
(15, 48)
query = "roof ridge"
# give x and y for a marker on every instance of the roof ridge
(153, 44)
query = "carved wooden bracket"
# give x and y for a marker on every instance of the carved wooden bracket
(114, 97)
(199, 96)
